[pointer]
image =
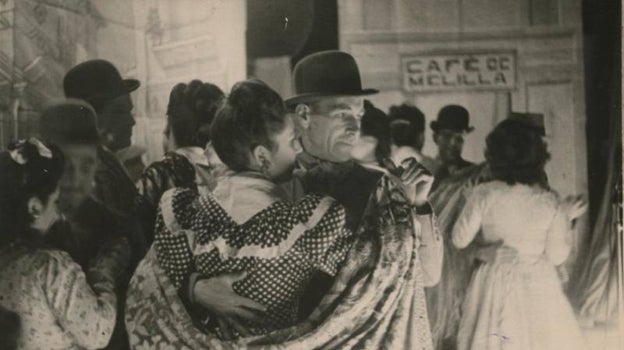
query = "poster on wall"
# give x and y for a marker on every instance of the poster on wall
(459, 71)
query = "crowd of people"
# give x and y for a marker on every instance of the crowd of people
(314, 221)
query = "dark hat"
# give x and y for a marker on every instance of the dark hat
(69, 121)
(327, 73)
(452, 117)
(534, 121)
(97, 81)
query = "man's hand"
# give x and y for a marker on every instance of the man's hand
(417, 181)
(216, 295)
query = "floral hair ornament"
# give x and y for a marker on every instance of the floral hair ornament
(20, 154)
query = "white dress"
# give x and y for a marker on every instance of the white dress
(517, 303)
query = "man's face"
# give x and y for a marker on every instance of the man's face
(333, 127)
(450, 144)
(115, 123)
(77, 181)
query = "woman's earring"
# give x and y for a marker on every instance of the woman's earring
(264, 167)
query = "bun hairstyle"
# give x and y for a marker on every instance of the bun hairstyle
(29, 169)
(190, 112)
(516, 154)
(252, 114)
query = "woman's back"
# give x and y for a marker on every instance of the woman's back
(526, 218)
(519, 215)
(56, 306)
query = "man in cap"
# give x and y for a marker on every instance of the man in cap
(87, 225)
(328, 107)
(99, 83)
(449, 130)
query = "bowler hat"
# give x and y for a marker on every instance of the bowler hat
(452, 117)
(97, 81)
(534, 121)
(327, 73)
(69, 121)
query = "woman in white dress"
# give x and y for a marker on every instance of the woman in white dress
(516, 301)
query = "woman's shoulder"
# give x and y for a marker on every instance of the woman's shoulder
(42, 262)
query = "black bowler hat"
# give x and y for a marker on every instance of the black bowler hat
(452, 117)
(327, 73)
(97, 81)
(534, 121)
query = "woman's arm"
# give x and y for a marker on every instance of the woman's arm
(172, 242)
(469, 222)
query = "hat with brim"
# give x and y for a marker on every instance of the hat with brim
(454, 118)
(324, 74)
(70, 121)
(97, 81)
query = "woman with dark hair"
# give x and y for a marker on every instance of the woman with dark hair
(407, 124)
(245, 225)
(373, 146)
(59, 306)
(190, 112)
(516, 301)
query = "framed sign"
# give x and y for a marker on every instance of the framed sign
(461, 71)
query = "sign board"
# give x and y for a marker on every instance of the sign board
(462, 71)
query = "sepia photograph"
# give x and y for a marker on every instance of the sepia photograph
(311, 174)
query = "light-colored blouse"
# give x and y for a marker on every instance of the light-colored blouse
(58, 309)
(528, 219)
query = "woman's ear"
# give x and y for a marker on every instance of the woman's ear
(302, 113)
(35, 207)
(261, 157)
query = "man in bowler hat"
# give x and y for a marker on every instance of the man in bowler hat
(99, 83)
(328, 106)
(449, 130)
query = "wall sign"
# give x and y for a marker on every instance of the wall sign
(462, 71)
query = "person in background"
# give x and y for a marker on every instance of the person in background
(99, 83)
(372, 149)
(190, 112)
(516, 301)
(60, 306)
(132, 159)
(408, 135)
(449, 130)
(87, 224)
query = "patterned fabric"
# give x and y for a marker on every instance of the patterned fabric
(376, 302)
(279, 248)
(185, 168)
(517, 303)
(57, 307)
(445, 299)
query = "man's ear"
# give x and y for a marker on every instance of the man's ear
(302, 113)
(35, 207)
